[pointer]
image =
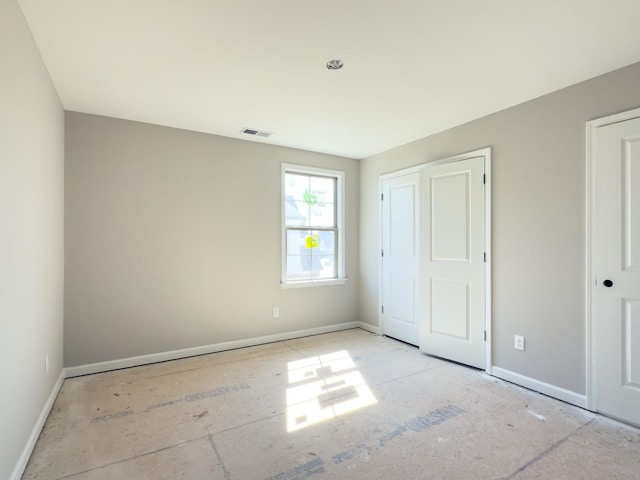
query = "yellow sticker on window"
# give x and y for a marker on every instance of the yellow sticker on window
(312, 241)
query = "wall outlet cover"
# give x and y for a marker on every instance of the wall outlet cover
(518, 342)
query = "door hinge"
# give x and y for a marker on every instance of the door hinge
(484, 178)
(382, 308)
(485, 257)
(382, 253)
(382, 197)
(485, 335)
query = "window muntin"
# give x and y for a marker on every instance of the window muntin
(312, 230)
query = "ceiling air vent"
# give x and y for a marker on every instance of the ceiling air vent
(257, 133)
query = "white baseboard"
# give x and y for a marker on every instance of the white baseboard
(37, 428)
(568, 396)
(203, 350)
(369, 328)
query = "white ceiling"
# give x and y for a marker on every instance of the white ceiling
(412, 67)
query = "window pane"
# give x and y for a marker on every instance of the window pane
(310, 254)
(327, 267)
(323, 201)
(309, 200)
(323, 215)
(298, 268)
(302, 262)
(295, 185)
(323, 188)
(296, 213)
(297, 242)
(326, 243)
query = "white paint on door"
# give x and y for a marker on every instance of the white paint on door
(616, 268)
(453, 270)
(400, 260)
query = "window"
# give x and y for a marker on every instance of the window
(312, 237)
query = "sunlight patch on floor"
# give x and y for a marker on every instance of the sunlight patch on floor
(324, 387)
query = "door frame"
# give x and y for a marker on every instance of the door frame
(482, 152)
(591, 252)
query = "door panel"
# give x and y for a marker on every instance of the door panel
(402, 296)
(630, 341)
(402, 241)
(631, 203)
(450, 308)
(617, 247)
(452, 219)
(400, 262)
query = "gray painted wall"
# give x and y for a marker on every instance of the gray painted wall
(538, 220)
(173, 241)
(31, 235)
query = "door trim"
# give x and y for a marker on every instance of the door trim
(591, 251)
(483, 152)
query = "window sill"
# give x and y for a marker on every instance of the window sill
(314, 283)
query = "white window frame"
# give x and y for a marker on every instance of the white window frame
(340, 254)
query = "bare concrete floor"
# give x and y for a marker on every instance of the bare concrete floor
(346, 405)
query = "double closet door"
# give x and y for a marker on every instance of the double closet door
(433, 258)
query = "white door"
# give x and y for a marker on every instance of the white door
(400, 258)
(617, 269)
(453, 267)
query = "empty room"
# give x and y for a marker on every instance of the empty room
(343, 240)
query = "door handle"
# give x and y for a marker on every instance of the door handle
(608, 283)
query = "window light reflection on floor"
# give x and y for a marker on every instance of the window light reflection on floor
(324, 387)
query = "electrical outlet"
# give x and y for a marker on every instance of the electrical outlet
(276, 312)
(518, 342)
(46, 364)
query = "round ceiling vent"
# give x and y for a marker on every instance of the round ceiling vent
(334, 64)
